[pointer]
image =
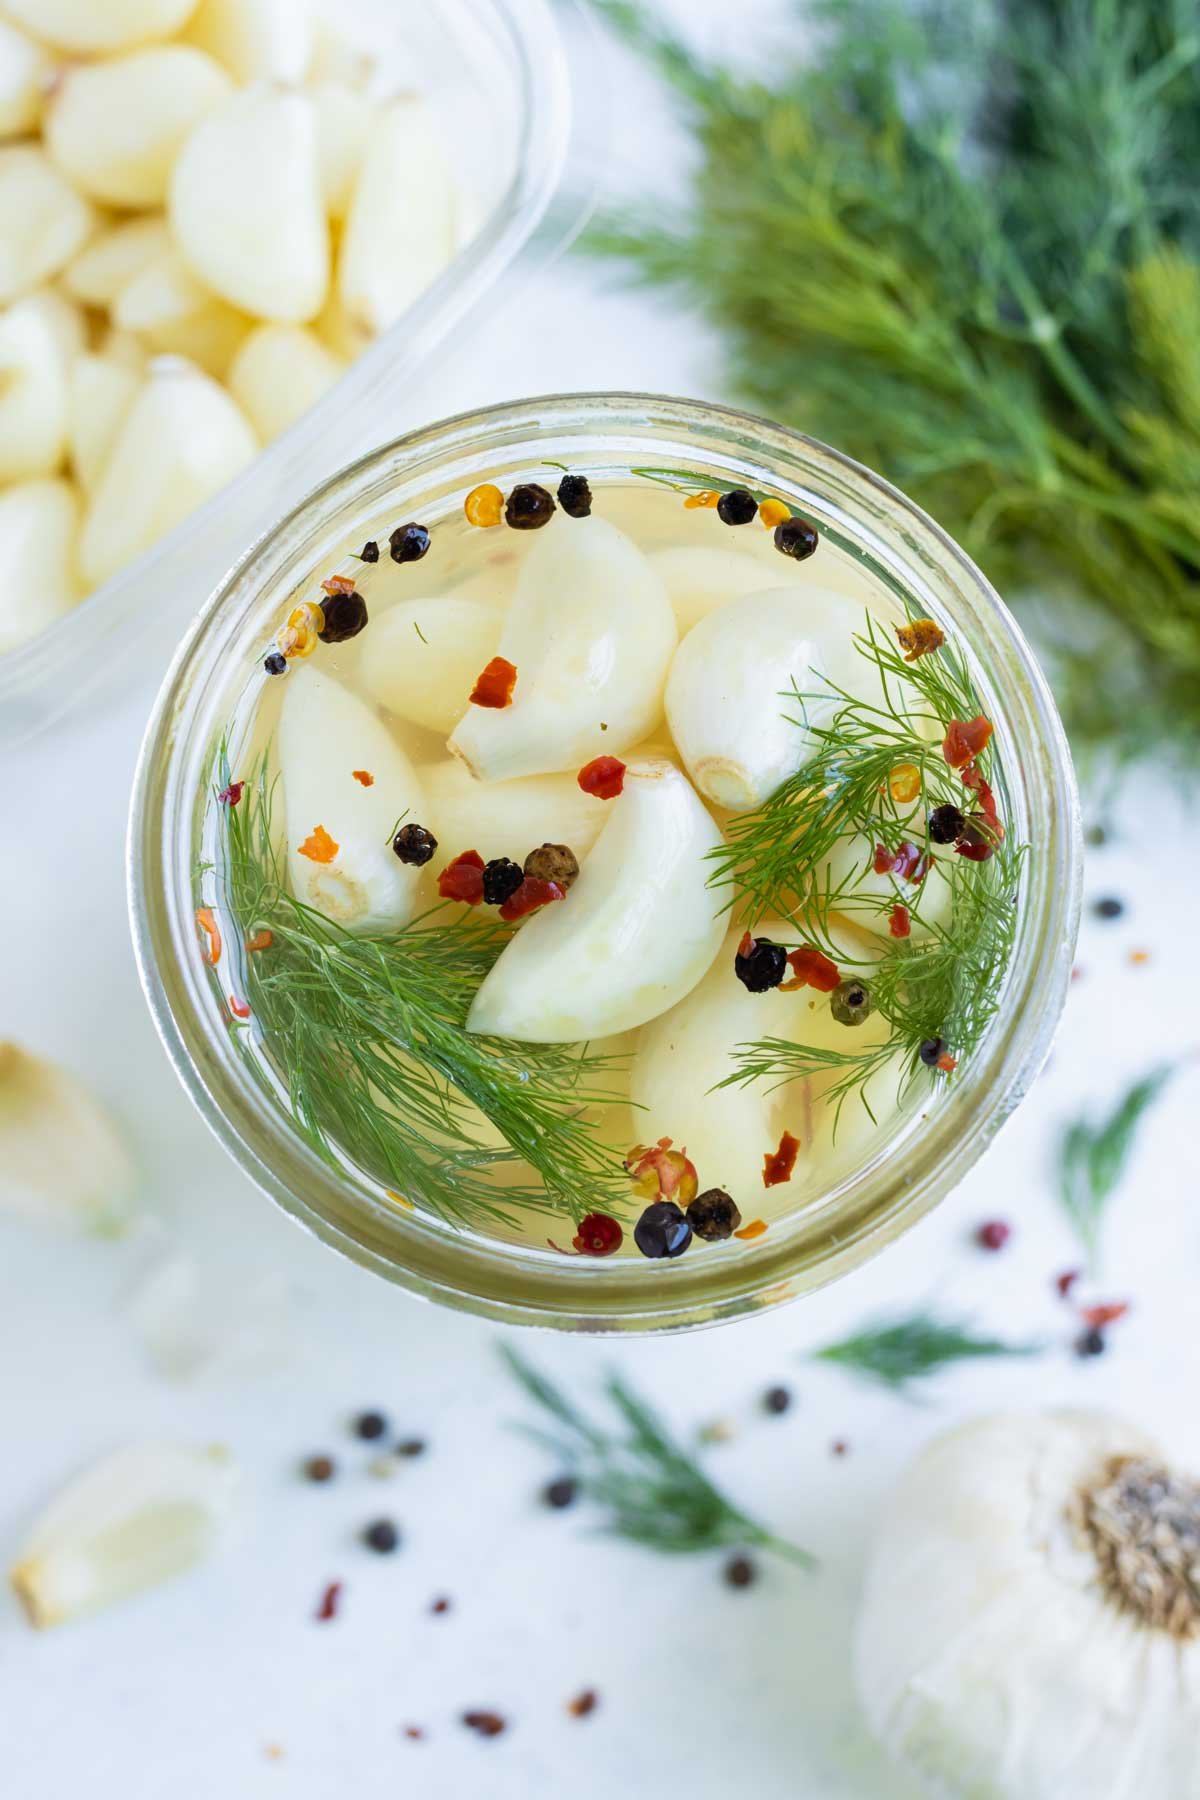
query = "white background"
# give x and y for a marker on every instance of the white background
(704, 1691)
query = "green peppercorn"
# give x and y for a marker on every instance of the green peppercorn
(850, 1002)
(552, 862)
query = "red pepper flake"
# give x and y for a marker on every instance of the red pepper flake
(1077, 972)
(919, 637)
(583, 1703)
(1066, 1281)
(231, 795)
(440, 1605)
(319, 847)
(598, 1235)
(963, 742)
(338, 584)
(993, 1234)
(414, 1733)
(330, 1601)
(746, 945)
(900, 923)
(363, 777)
(262, 940)
(1106, 1313)
(778, 1164)
(754, 1229)
(205, 921)
(487, 1724)
(840, 1447)
(946, 1063)
(811, 968)
(907, 861)
(495, 685)
(462, 879)
(239, 1008)
(660, 1173)
(604, 777)
(532, 894)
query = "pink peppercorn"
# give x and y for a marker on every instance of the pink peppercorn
(993, 1235)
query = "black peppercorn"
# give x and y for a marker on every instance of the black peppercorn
(1108, 908)
(713, 1216)
(409, 542)
(414, 844)
(561, 1493)
(796, 538)
(370, 1425)
(763, 966)
(501, 879)
(777, 1400)
(930, 1050)
(320, 1468)
(552, 862)
(411, 1447)
(740, 1572)
(369, 552)
(1091, 1342)
(946, 824)
(345, 617)
(275, 664)
(850, 1002)
(737, 507)
(381, 1536)
(575, 496)
(528, 507)
(662, 1230)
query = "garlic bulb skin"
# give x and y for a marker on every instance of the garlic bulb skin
(992, 1656)
(590, 633)
(426, 656)
(727, 693)
(39, 521)
(135, 1519)
(507, 818)
(635, 933)
(325, 733)
(62, 1161)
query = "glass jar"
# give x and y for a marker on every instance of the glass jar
(898, 551)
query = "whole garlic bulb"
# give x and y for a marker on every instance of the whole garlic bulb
(1030, 1626)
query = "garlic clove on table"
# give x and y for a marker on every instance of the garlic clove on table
(62, 1161)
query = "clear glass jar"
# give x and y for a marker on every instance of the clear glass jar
(898, 550)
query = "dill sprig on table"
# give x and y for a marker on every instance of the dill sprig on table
(1093, 1157)
(900, 1352)
(653, 1492)
(368, 1034)
(962, 242)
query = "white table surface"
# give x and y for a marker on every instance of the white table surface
(188, 1690)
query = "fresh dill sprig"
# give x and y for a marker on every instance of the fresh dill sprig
(1093, 1156)
(898, 1353)
(368, 1034)
(653, 1492)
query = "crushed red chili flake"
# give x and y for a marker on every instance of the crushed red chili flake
(338, 584)
(207, 923)
(462, 879)
(946, 1063)
(754, 1229)
(919, 637)
(907, 861)
(532, 894)
(778, 1164)
(598, 1235)
(487, 1724)
(1066, 1281)
(239, 1008)
(495, 684)
(1106, 1313)
(330, 1601)
(604, 777)
(262, 940)
(231, 795)
(900, 922)
(746, 944)
(583, 1703)
(964, 740)
(319, 847)
(363, 777)
(811, 968)
(414, 1733)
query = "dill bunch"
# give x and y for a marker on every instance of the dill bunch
(368, 1034)
(896, 1353)
(1094, 1155)
(964, 245)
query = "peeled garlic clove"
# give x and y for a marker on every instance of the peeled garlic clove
(427, 654)
(345, 121)
(114, 257)
(336, 58)
(508, 818)
(102, 392)
(698, 580)
(727, 702)
(61, 1160)
(34, 369)
(177, 315)
(400, 228)
(124, 348)
(325, 734)
(246, 206)
(182, 440)
(634, 934)
(116, 127)
(64, 318)
(43, 221)
(134, 1520)
(26, 72)
(849, 869)
(98, 27)
(590, 632)
(256, 40)
(278, 373)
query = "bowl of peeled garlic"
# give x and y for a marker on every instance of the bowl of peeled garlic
(230, 232)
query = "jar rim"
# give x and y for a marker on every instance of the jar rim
(505, 1281)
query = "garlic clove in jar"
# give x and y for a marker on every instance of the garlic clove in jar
(98, 27)
(256, 40)
(34, 371)
(62, 1161)
(136, 1519)
(426, 655)
(738, 733)
(340, 829)
(590, 633)
(698, 579)
(279, 372)
(181, 441)
(115, 127)
(26, 72)
(634, 934)
(1029, 1626)
(102, 392)
(508, 818)
(246, 178)
(400, 224)
(44, 222)
(112, 259)
(345, 123)
(176, 315)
